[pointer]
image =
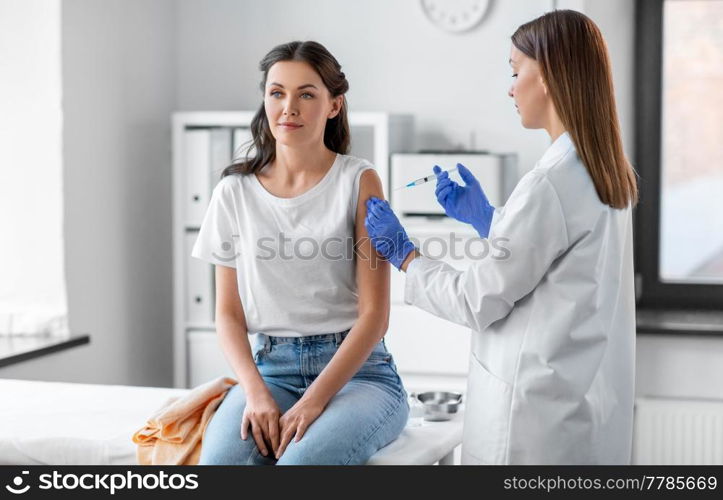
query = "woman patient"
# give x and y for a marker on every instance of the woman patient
(294, 265)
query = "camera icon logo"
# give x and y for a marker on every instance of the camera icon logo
(18, 481)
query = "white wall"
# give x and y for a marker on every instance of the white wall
(118, 93)
(680, 366)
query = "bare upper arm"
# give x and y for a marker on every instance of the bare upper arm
(372, 271)
(228, 302)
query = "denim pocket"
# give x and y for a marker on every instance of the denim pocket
(380, 357)
(258, 352)
(380, 368)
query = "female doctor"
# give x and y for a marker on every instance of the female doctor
(551, 375)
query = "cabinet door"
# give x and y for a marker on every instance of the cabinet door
(242, 138)
(397, 284)
(456, 248)
(205, 358)
(199, 285)
(206, 152)
(197, 169)
(424, 344)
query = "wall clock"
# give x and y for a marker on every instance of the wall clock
(455, 16)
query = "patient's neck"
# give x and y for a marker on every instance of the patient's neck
(294, 165)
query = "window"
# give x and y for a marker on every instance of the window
(679, 153)
(32, 281)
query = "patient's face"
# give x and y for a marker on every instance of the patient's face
(298, 104)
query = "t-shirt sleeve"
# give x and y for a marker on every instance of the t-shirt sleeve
(218, 237)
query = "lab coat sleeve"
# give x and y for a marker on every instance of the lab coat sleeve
(218, 235)
(531, 227)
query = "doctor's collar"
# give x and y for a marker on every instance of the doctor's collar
(557, 150)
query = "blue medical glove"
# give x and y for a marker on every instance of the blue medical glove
(386, 232)
(466, 203)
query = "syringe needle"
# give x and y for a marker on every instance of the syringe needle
(423, 180)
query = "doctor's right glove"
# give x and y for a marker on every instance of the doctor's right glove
(386, 232)
(466, 203)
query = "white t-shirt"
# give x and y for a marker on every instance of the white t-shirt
(294, 257)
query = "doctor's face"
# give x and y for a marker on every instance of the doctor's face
(528, 90)
(298, 104)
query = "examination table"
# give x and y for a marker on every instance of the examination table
(60, 423)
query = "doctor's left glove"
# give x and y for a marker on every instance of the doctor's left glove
(386, 232)
(466, 203)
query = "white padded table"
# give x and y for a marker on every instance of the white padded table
(60, 423)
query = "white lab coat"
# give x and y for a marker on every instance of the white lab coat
(551, 373)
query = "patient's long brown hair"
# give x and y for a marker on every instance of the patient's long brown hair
(336, 132)
(576, 69)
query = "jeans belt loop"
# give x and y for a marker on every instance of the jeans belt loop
(337, 338)
(267, 344)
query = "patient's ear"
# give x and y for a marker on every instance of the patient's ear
(336, 105)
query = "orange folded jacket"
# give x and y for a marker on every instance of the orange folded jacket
(174, 433)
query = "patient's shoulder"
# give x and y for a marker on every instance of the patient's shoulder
(370, 184)
(354, 164)
(228, 184)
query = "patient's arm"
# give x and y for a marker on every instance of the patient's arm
(232, 331)
(372, 275)
(261, 412)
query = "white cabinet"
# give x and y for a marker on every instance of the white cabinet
(205, 358)
(204, 143)
(424, 345)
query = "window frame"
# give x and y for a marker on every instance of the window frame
(651, 291)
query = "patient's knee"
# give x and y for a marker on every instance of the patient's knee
(245, 454)
(331, 452)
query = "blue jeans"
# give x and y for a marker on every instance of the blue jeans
(368, 413)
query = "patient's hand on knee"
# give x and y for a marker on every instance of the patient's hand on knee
(261, 415)
(296, 420)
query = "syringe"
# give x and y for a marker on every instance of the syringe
(423, 180)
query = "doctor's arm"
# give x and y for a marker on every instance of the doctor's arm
(372, 276)
(528, 235)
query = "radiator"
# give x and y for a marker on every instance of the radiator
(678, 432)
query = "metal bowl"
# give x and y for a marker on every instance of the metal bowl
(439, 405)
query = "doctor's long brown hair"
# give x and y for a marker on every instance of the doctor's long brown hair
(575, 66)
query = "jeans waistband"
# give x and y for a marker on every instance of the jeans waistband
(269, 341)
